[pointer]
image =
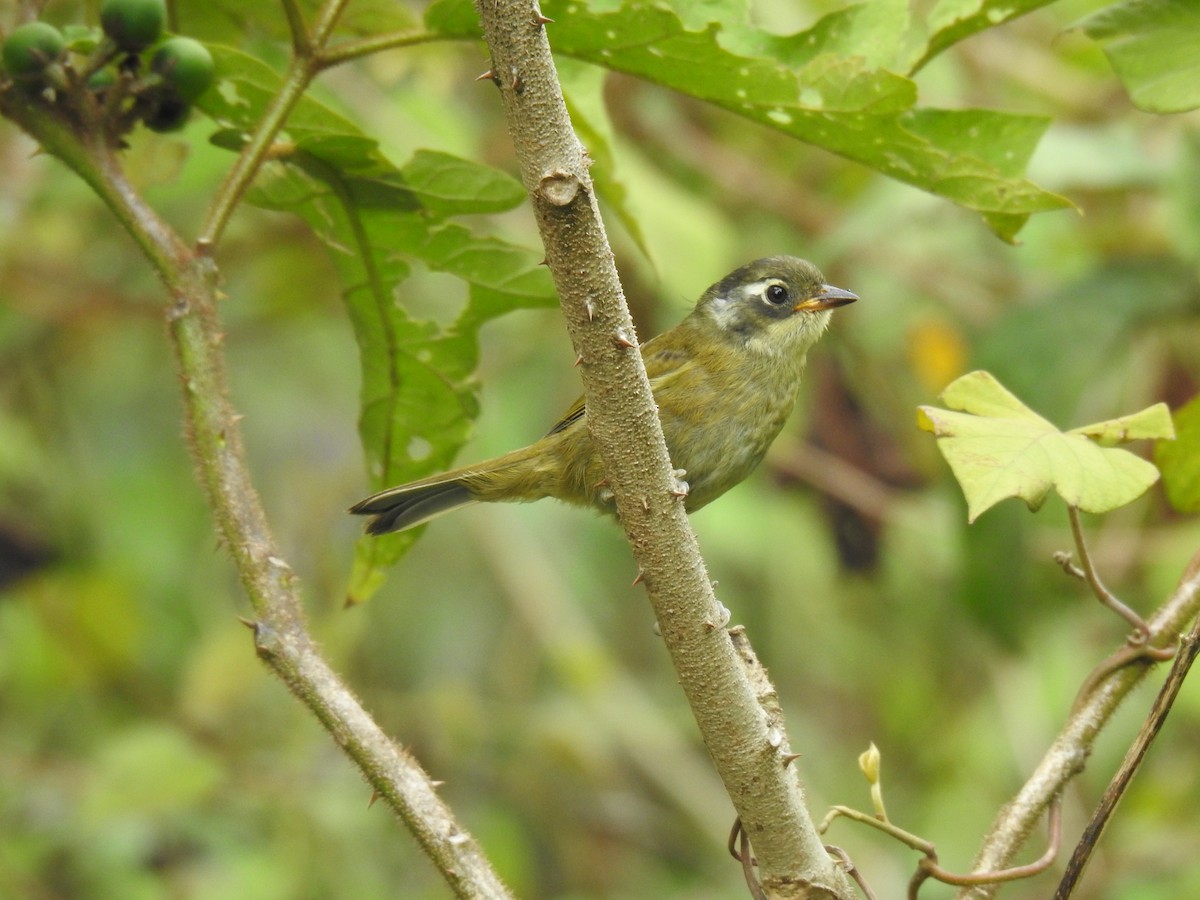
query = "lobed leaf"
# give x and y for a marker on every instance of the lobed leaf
(830, 86)
(999, 448)
(379, 220)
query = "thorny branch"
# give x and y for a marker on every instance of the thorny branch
(734, 705)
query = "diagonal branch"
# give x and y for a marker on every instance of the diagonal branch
(1066, 756)
(1189, 648)
(281, 637)
(734, 705)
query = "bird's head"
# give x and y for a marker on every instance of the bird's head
(775, 305)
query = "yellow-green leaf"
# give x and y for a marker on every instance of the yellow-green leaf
(998, 448)
(1152, 423)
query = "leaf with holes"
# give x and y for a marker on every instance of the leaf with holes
(379, 220)
(835, 85)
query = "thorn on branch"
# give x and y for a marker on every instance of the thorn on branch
(621, 339)
(489, 75)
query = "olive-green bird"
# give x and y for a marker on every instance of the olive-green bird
(725, 380)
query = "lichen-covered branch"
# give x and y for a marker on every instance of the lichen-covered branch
(729, 696)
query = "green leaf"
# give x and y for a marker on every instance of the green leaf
(1154, 47)
(450, 185)
(999, 448)
(1179, 460)
(828, 86)
(879, 33)
(951, 21)
(245, 86)
(379, 220)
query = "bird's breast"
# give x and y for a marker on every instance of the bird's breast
(720, 419)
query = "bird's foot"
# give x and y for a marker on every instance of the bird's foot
(681, 488)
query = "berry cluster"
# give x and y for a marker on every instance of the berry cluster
(116, 76)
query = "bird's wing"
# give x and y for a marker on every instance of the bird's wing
(572, 415)
(663, 365)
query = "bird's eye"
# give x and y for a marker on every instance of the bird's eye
(777, 294)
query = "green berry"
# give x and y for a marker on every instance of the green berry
(169, 114)
(133, 24)
(102, 80)
(186, 67)
(31, 48)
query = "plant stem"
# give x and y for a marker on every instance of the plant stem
(1189, 648)
(734, 704)
(307, 45)
(352, 50)
(1103, 594)
(1069, 751)
(281, 637)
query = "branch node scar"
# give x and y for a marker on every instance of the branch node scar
(559, 188)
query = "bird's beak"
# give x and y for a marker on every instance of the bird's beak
(825, 297)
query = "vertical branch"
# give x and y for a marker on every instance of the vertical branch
(740, 725)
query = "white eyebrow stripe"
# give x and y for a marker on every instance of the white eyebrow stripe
(765, 283)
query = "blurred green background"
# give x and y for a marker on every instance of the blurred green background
(145, 753)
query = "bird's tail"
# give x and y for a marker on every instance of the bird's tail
(409, 505)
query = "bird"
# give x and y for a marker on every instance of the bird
(725, 380)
